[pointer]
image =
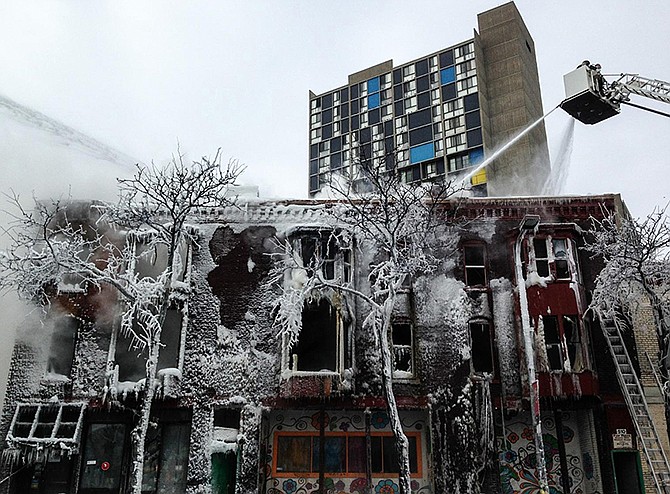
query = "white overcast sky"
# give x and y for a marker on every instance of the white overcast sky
(140, 75)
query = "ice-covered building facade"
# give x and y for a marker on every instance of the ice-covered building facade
(238, 411)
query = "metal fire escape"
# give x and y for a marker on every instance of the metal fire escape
(637, 404)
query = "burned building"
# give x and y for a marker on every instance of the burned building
(240, 408)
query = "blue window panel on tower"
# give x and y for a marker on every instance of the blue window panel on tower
(448, 75)
(373, 85)
(373, 101)
(421, 153)
(476, 156)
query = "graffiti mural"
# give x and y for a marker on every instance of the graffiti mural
(518, 460)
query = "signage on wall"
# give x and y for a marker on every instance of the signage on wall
(622, 440)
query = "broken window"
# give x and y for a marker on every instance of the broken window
(474, 257)
(344, 454)
(151, 262)
(563, 343)
(481, 347)
(319, 345)
(327, 251)
(552, 340)
(541, 257)
(403, 350)
(552, 258)
(63, 340)
(131, 358)
(33, 424)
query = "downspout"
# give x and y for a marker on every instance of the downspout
(533, 384)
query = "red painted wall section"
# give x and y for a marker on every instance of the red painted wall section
(558, 298)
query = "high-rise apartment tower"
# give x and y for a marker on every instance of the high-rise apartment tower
(440, 115)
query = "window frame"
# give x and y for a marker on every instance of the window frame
(316, 434)
(563, 345)
(480, 267)
(552, 260)
(397, 373)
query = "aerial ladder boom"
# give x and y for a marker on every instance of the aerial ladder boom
(590, 98)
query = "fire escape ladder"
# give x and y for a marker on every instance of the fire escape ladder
(637, 404)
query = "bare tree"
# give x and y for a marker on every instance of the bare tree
(397, 219)
(636, 254)
(51, 244)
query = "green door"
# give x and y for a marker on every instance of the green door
(224, 467)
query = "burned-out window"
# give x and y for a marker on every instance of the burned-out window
(131, 358)
(63, 339)
(552, 340)
(552, 258)
(560, 251)
(481, 349)
(563, 343)
(403, 350)
(344, 454)
(474, 257)
(151, 260)
(541, 256)
(327, 251)
(318, 346)
(47, 423)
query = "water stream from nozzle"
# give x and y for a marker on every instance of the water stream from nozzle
(509, 144)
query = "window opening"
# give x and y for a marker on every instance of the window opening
(63, 340)
(47, 423)
(560, 248)
(541, 256)
(481, 345)
(324, 248)
(563, 341)
(317, 347)
(552, 339)
(403, 350)
(475, 265)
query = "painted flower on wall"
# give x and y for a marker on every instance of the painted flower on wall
(379, 420)
(512, 437)
(289, 486)
(386, 487)
(344, 425)
(359, 485)
(316, 420)
(527, 434)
